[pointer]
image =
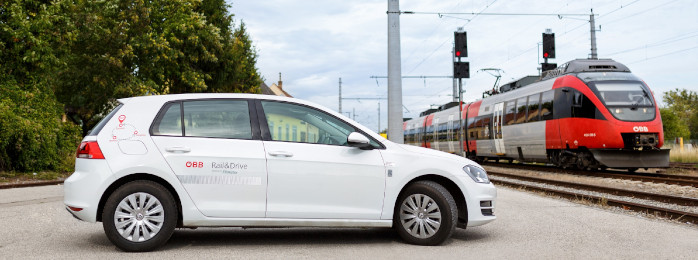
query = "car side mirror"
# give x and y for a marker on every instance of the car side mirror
(359, 140)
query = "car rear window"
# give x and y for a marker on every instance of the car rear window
(97, 128)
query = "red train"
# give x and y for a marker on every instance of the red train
(586, 114)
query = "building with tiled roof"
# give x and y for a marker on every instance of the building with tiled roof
(275, 89)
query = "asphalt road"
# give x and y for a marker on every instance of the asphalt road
(34, 224)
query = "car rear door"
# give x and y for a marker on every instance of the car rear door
(215, 150)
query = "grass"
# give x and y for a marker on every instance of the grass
(676, 155)
(28, 176)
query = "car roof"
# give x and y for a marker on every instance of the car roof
(171, 97)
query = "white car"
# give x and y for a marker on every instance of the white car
(156, 163)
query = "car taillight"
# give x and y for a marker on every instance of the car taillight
(90, 150)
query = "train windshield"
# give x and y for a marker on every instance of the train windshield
(625, 96)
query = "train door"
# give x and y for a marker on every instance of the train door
(497, 125)
(450, 134)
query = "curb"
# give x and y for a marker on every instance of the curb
(29, 184)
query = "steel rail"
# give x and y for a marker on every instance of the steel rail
(657, 211)
(691, 181)
(685, 201)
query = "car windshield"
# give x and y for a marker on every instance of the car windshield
(623, 94)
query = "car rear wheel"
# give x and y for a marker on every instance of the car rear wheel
(425, 214)
(139, 216)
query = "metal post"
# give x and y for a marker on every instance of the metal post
(340, 95)
(395, 133)
(594, 55)
(460, 116)
(455, 85)
(379, 117)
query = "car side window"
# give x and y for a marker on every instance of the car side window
(207, 118)
(217, 118)
(170, 123)
(305, 125)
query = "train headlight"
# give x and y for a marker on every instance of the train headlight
(478, 174)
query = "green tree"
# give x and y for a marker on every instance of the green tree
(682, 103)
(32, 136)
(673, 126)
(136, 47)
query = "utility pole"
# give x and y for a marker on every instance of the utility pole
(340, 95)
(592, 24)
(395, 133)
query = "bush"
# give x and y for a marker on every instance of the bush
(32, 136)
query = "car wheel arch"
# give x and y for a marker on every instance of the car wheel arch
(135, 177)
(451, 187)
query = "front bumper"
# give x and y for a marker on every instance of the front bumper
(480, 200)
(627, 158)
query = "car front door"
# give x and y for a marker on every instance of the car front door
(312, 172)
(215, 150)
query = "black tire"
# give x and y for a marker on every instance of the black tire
(446, 206)
(168, 223)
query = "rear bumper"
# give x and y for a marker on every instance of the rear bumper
(625, 158)
(83, 189)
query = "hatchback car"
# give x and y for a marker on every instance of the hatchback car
(156, 163)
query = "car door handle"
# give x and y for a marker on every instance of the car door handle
(178, 149)
(280, 154)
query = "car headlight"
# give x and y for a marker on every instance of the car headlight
(478, 174)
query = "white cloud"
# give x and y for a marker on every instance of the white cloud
(313, 43)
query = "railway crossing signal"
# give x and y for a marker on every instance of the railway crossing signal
(461, 46)
(548, 50)
(548, 45)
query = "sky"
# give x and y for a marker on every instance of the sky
(314, 43)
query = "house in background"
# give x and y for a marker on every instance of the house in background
(274, 89)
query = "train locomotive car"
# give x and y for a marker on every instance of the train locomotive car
(587, 114)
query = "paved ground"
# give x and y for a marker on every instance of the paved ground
(34, 224)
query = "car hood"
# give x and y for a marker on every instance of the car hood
(435, 153)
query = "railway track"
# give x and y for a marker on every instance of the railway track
(683, 180)
(679, 215)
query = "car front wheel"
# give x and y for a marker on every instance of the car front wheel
(139, 216)
(425, 214)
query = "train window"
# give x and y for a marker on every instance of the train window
(546, 105)
(510, 112)
(582, 106)
(471, 128)
(442, 132)
(521, 110)
(486, 127)
(533, 108)
(478, 128)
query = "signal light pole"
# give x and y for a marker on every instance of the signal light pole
(460, 70)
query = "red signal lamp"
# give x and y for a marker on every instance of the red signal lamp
(457, 53)
(545, 55)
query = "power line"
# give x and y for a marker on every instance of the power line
(660, 43)
(641, 12)
(666, 54)
(442, 44)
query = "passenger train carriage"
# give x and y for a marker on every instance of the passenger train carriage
(584, 114)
